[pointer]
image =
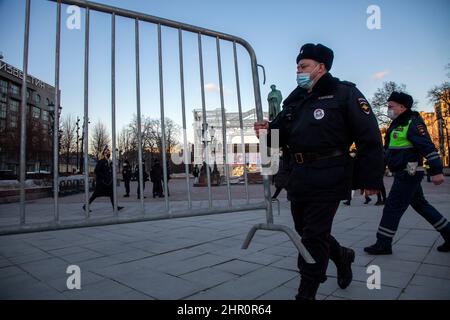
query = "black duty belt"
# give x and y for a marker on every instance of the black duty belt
(304, 157)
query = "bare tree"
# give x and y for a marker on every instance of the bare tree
(441, 94)
(151, 134)
(379, 101)
(440, 97)
(99, 138)
(68, 138)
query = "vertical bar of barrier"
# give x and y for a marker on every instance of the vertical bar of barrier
(86, 114)
(23, 107)
(241, 123)
(224, 123)
(163, 126)
(204, 123)
(260, 115)
(56, 122)
(186, 153)
(138, 106)
(113, 109)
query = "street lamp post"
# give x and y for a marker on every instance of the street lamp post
(78, 137)
(52, 111)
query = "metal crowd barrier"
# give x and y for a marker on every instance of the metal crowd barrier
(143, 18)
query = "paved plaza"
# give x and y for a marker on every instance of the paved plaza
(201, 257)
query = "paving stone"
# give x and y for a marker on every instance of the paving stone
(85, 255)
(256, 283)
(46, 269)
(389, 263)
(431, 282)
(87, 278)
(210, 277)
(104, 289)
(359, 291)
(237, 267)
(438, 258)
(414, 292)
(434, 271)
(156, 284)
(188, 265)
(289, 263)
(419, 238)
(261, 258)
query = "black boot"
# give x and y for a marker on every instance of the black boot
(378, 249)
(307, 290)
(445, 247)
(344, 267)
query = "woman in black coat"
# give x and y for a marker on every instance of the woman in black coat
(103, 179)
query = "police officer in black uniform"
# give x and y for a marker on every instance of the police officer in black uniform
(406, 142)
(320, 120)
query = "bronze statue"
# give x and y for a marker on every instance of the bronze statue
(274, 98)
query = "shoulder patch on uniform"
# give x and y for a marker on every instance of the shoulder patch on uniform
(348, 83)
(364, 105)
(421, 129)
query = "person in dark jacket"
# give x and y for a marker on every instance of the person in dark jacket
(145, 177)
(195, 173)
(126, 175)
(156, 176)
(407, 142)
(320, 120)
(103, 179)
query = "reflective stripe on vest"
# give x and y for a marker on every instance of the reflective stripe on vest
(399, 138)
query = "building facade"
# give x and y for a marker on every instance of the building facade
(211, 136)
(40, 116)
(438, 123)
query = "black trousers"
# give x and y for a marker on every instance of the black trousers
(96, 194)
(157, 188)
(127, 187)
(138, 191)
(382, 194)
(313, 221)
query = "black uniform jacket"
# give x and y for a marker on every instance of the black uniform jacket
(126, 172)
(330, 118)
(103, 178)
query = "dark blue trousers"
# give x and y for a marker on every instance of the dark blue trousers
(406, 190)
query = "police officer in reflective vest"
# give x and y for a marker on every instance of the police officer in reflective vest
(320, 120)
(406, 142)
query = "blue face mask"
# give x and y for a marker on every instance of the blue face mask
(304, 80)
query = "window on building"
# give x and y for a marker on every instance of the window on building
(13, 122)
(13, 105)
(45, 115)
(2, 110)
(36, 97)
(15, 89)
(3, 90)
(2, 125)
(36, 112)
(44, 132)
(28, 94)
(3, 86)
(47, 101)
